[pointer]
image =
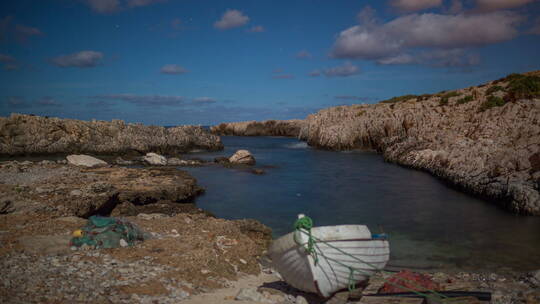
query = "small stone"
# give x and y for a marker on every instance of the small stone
(123, 243)
(301, 300)
(249, 294)
(76, 192)
(205, 271)
(243, 261)
(155, 159)
(73, 248)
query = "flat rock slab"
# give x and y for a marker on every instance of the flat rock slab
(45, 244)
(62, 190)
(85, 161)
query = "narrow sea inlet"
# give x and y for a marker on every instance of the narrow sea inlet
(431, 226)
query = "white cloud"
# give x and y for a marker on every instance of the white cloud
(425, 31)
(6, 58)
(17, 32)
(231, 19)
(345, 70)
(303, 55)
(494, 5)
(104, 6)
(436, 58)
(256, 29)
(414, 5)
(283, 76)
(315, 73)
(111, 6)
(398, 59)
(173, 69)
(136, 3)
(48, 102)
(143, 100)
(83, 59)
(204, 100)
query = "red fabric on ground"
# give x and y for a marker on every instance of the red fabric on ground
(410, 280)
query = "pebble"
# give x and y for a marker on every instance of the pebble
(123, 243)
(301, 300)
(76, 192)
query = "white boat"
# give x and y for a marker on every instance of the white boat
(342, 255)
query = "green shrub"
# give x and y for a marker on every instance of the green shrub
(522, 87)
(494, 89)
(399, 99)
(492, 101)
(443, 101)
(451, 94)
(360, 113)
(424, 97)
(465, 99)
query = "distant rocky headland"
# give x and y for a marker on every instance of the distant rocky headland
(29, 134)
(260, 128)
(483, 139)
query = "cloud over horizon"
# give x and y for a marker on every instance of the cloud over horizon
(112, 6)
(495, 5)
(173, 69)
(256, 29)
(145, 100)
(82, 59)
(15, 31)
(403, 36)
(230, 19)
(414, 5)
(345, 70)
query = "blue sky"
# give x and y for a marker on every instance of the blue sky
(170, 62)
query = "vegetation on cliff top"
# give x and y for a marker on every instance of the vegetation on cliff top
(519, 86)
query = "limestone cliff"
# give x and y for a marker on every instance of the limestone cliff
(483, 139)
(28, 134)
(260, 128)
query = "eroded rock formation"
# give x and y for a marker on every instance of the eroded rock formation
(260, 128)
(478, 138)
(28, 134)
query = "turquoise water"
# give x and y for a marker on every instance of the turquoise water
(431, 225)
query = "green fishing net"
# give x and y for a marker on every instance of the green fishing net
(106, 232)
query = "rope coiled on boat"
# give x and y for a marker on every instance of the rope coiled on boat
(304, 225)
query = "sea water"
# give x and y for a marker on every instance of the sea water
(430, 225)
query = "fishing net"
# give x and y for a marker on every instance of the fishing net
(107, 232)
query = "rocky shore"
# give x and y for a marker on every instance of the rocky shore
(290, 128)
(483, 139)
(28, 134)
(191, 257)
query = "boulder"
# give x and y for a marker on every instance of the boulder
(155, 159)
(85, 161)
(242, 157)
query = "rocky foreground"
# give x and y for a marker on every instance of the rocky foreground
(289, 128)
(28, 134)
(483, 139)
(192, 257)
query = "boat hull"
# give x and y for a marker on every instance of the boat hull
(340, 249)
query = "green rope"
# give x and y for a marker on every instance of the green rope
(305, 224)
(352, 282)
